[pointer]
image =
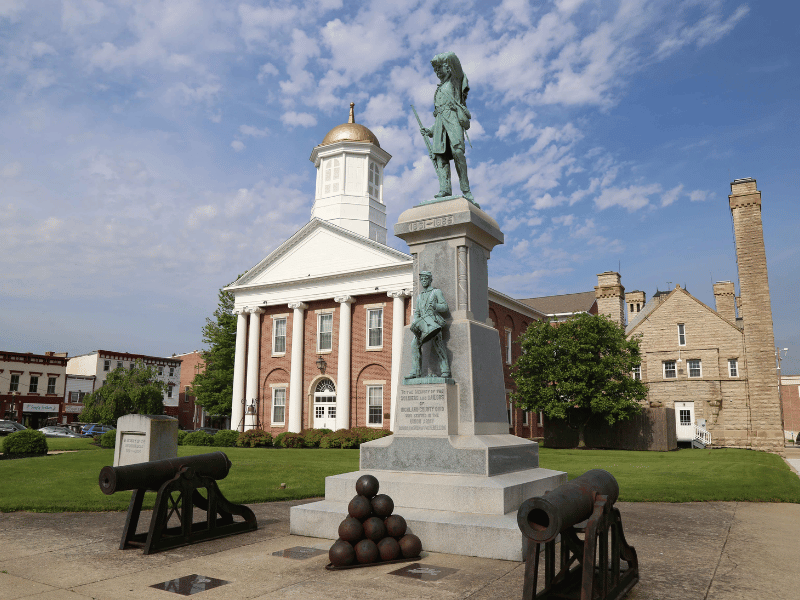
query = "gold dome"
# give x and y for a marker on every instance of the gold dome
(350, 132)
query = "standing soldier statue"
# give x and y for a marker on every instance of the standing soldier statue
(428, 325)
(452, 121)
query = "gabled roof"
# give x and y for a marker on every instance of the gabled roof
(659, 300)
(562, 304)
(321, 249)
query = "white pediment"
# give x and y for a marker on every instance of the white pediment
(321, 249)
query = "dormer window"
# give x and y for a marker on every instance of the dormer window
(374, 182)
(333, 174)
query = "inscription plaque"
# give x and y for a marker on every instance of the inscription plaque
(133, 446)
(423, 410)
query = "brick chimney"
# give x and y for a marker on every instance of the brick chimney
(725, 299)
(766, 425)
(610, 296)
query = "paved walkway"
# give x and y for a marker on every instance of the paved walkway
(793, 458)
(713, 550)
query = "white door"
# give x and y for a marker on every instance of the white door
(325, 405)
(684, 421)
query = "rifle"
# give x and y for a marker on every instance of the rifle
(427, 141)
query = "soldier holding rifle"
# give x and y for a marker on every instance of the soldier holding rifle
(427, 325)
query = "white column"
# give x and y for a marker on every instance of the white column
(253, 347)
(343, 370)
(239, 360)
(296, 373)
(398, 322)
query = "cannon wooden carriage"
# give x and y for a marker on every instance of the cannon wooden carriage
(179, 483)
(584, 506)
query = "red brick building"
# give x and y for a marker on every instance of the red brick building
(790, 400)
(32, 387)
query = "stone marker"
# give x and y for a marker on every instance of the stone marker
(142, 438)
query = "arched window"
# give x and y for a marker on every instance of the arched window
(325, 405)
(324, 386)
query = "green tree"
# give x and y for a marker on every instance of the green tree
(213, 388)
(126, 391)
(577, 369)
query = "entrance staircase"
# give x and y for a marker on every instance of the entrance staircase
(702, 437)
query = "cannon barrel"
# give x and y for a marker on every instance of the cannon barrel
(542, 518)
(152, 475)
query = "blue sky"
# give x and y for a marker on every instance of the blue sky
(151, 151)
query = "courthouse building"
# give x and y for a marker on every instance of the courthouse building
(320, 320)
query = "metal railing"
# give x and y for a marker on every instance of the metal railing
(702, 434)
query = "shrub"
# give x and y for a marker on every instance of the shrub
(254, 438)
(27, 441)
(225, 438)
(278, 439)
(292, 440)
(343, 438)
(108, 439)
(312, 437)
(198, 438)
(367, 434)
(181, 436)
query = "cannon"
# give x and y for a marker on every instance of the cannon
(178, 483)
(584, 506)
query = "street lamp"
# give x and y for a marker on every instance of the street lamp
(321, 365)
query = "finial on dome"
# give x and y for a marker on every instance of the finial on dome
(352, 113)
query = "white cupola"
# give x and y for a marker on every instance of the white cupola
(349, 190)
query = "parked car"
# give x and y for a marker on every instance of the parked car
(96, 429)
(7, 427)
(56, 431)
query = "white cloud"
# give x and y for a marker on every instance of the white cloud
(265, 71)
(699, 195)
(253, 131)
(632, 197)
(295, 119)
(520, 248)
(565, 220)
(382, 109)
(671, 196)
(237, 145)
(11, 170)
(185, 95)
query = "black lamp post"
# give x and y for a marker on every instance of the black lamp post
(321, 365)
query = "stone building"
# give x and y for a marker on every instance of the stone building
(716, 369)
(320, 319)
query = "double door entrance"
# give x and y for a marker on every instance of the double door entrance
(325, 405)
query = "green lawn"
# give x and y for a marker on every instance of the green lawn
(68, 482)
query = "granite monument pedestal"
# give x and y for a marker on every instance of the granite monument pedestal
(454, 472)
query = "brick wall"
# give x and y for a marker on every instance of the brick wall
(790, 399)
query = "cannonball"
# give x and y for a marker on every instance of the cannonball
(366, 552)
(367, 485)
(410, 545)
(342, 554)
(374, 529)
(382, 505)
(360, 508)
(395, 526)
(389, 549)
(351, 530)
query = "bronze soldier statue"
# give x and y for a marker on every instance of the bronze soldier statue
(427, 325)
(452, 120)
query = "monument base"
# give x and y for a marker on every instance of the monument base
(468, 515)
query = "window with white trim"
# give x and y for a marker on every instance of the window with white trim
(160, 370)
(279, 335)
(106, 365)
(695, 368)
(119, 364)
(73, 396)
(681, 334)
(278, 406)
(508, 346)
(375, 328)
(169, 392)
(374, 181)
(51, 385)
(637, 372)
(172, 371)
(14, 384)
(375, 405)
(525, 418)
(324, 332)
(332, 177)
(186, 394)
(33, 388)
(669, 369)
(685, 417)
(733, 367)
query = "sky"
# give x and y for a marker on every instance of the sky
(152, 151)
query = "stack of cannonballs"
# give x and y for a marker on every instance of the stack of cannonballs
(371, 533)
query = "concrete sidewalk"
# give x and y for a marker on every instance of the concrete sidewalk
(714, 550)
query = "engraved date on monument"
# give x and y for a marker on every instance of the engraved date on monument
(423, 409)
(431, 223)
